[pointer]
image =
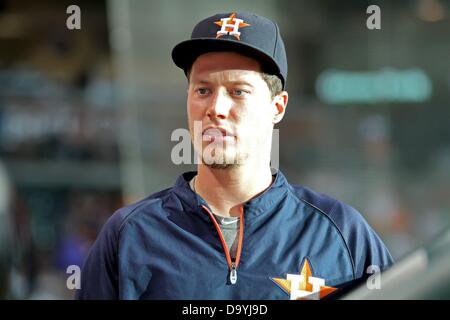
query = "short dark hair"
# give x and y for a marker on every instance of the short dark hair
(274, 83)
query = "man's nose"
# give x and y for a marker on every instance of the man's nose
(220, 106)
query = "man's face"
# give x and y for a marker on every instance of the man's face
(226, 91)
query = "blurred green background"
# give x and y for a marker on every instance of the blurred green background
(86, 118)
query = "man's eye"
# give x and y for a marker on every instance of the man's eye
(239, 92)
(202, 91)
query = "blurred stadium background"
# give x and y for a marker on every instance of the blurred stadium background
(86, 118)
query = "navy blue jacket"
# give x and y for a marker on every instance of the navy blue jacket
(167, 247)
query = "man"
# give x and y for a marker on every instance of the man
(233, 229)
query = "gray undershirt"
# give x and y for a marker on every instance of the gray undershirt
(229, 226)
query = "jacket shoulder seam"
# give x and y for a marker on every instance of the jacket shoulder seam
(334, 225)
(132, 212)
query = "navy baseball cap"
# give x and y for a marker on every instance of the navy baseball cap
(245, 33)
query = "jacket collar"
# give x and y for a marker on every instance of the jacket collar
(192, 202)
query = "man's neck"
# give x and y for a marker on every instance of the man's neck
(225, 190)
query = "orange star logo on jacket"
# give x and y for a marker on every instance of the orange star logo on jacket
(304, 286)
(230, 26)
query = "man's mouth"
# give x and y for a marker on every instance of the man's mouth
(217, 134)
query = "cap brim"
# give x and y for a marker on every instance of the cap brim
(185, 53)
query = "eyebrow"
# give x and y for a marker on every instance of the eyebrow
(241, 83)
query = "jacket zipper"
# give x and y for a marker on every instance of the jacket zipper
(231, 265)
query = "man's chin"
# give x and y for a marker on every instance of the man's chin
(222, 166)
(223, 161)
(220, 162)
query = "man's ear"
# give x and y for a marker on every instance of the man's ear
(280, 103)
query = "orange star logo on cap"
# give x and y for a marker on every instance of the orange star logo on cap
(230, 26)
(304, 286)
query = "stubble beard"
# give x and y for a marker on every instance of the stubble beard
(225, 160)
